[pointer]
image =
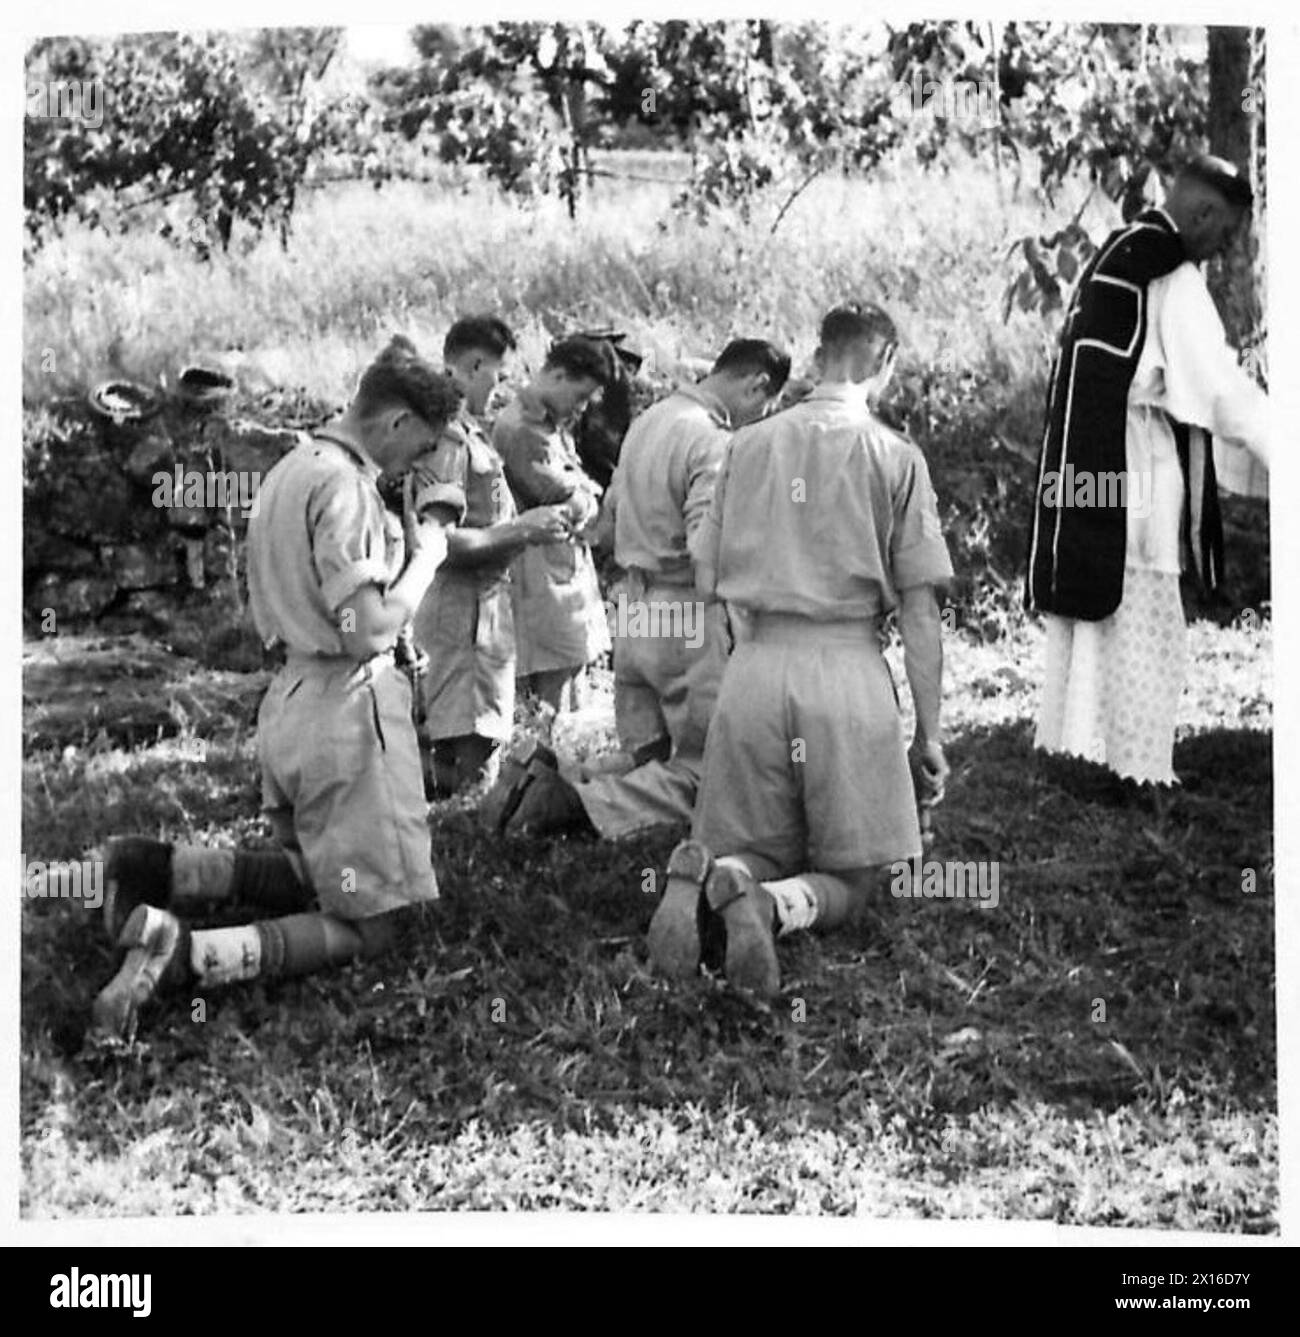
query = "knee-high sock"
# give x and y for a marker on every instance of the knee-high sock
(797, 905)
(301, 944)
(291, 945)
(812, 898)
(269, 880)
(203, 878)
(758, 866)
(226, 955)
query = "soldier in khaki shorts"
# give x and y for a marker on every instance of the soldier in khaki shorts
(465, 623)
(332, 577)
(559, 615)
(822, 521)
(660, 494)
(670, 647)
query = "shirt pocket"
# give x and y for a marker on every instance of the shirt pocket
(389, 695)
(339, 732)
(494, 633)
(562, 561)
(487, 494)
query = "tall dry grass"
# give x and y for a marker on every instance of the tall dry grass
(361, 263)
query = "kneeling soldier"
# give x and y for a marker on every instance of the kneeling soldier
(333, 576)
(465, 622)
(560, 624)
(670, 647)
(823, 520)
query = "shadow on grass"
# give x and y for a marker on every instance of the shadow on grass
(1123, 961)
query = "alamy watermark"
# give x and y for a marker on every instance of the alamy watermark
(970, 102)
(1070, 489)
(70, 879)
(930, 879)
(75, 1289)
(213, 489)
(66, 100)
(679, 619)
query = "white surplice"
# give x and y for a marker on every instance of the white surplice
(1111, 688)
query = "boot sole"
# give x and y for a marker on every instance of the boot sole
(501, 801)
(523, 822)
(674, 935)
(751, 962)
(115, 1013)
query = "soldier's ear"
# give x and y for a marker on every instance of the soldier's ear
(401, 420)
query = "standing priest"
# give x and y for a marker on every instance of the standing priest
(1142, 381)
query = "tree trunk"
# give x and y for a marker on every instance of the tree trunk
(1236, 279)
(765, 45)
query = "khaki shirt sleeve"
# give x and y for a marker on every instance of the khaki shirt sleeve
(348, 538)
(703, 460)
(538, 468)
(918, 554)
(603, 531)
(706, 542)
(440, 475)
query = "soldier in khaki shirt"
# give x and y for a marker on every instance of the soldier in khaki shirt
(659, 497)
(559, 615)
(465, 622)
(333, 578)
(822, 521)
(670, 647)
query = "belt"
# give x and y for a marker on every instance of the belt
(485, 579)
(795, 629)
(647, 579)
(363, 670)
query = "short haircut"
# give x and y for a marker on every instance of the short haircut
(755, 357)
(400, 378)
(1221, 176)
(581, 357)
(479, 334)
(856, 322)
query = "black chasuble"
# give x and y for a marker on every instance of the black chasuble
(1076, 552)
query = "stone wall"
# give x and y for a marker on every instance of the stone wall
(132, 525)
(99, 552)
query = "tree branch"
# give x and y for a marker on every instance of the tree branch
(794, 195)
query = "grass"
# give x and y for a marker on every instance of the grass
(519, 1054)
(364, 263)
